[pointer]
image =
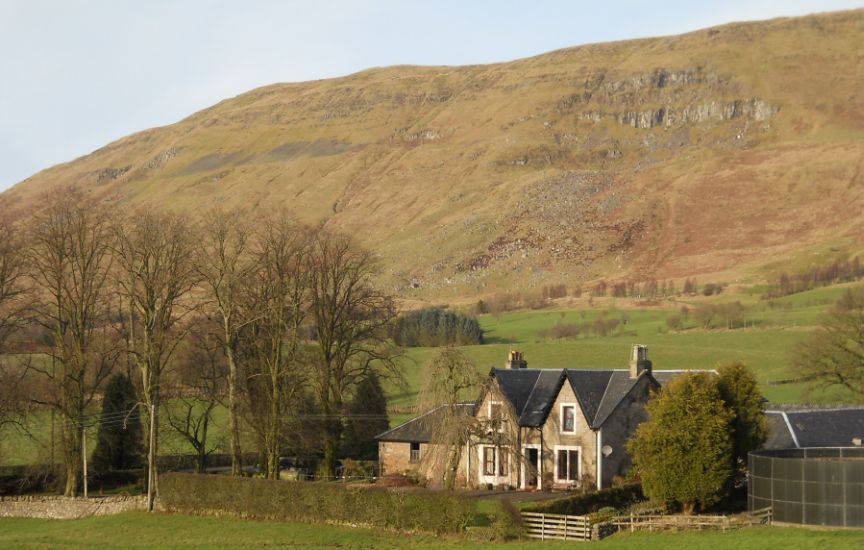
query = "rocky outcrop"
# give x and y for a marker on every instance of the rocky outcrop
(755, 109)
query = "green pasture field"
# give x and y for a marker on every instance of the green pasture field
(140, 530)
(766, 344)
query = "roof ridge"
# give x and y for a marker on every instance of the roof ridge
(528, 400)
(602, 398)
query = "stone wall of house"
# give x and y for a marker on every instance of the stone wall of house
(395, 457)
(620, 426)
(56, 507)
(584, 438)
(506, 439)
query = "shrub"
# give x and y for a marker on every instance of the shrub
(675, 321)
(580, 505)
(314, 502)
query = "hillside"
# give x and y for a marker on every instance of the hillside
(721, 153)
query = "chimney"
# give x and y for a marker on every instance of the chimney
(515, 361)
(639, 361)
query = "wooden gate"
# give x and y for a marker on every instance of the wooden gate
(556, 526)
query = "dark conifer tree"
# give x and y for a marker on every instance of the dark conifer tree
(119, 444)
(367, 417)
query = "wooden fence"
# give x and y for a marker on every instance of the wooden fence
(578, 528)
(556, 526)
(659, 522)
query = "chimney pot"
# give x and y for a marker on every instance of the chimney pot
(515, 360)
(639, 361)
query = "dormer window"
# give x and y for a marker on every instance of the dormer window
(568, 418)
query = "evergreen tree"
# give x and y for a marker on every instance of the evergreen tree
(740, 393)
(367, 417)
(119, 444)
(682, 452)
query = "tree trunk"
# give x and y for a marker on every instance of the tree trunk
(452, 466)
(273, 439)
(72, 457)
(233, 415)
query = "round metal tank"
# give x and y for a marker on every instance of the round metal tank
(811, 486)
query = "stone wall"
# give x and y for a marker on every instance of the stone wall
(56, 507)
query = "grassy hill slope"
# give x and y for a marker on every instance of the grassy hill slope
(714, 153)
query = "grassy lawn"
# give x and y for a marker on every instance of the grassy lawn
(140, 530)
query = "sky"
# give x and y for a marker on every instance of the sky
(78, 74)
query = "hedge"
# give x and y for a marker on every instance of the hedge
(580, 505)
(314, 502)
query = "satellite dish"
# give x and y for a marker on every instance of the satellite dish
(606, 450)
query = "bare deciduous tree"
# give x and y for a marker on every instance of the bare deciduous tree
(833, 357)
(449, 378)
(278, 295)
(351, 321)
(199, 382)
(225, 264)
(155, 253)
(70, 257)
(13, 406)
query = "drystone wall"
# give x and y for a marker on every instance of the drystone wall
(55, 507)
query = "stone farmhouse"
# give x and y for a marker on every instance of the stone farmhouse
(535, 428)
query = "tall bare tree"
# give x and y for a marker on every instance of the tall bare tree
(199, 384)
(70, 258)
(351, 320)
(13, 406)
(225, 264)
(155, 253)
(450, 377)
(833, 356)
(278, 295)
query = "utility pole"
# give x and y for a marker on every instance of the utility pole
(53, 375)
(84, 454)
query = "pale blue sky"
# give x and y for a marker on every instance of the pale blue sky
(78, 74)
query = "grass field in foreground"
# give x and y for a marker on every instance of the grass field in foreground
(140, 530)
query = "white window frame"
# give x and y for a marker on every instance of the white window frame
(576, 448)
(494, 479)
(561, 418)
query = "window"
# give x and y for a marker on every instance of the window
(488, 461)
(568, 418)
(567, 464)
(415, 452)
(502, 464)
(496, 416)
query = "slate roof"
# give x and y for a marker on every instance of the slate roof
(420, 429)
(597, 391)
(797, 426)
(532, 392)
(541, 398)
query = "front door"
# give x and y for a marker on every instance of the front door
(532, 467)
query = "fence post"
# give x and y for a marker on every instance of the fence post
(565, 527)
(542, 526)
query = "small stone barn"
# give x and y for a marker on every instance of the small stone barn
(538, 428)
